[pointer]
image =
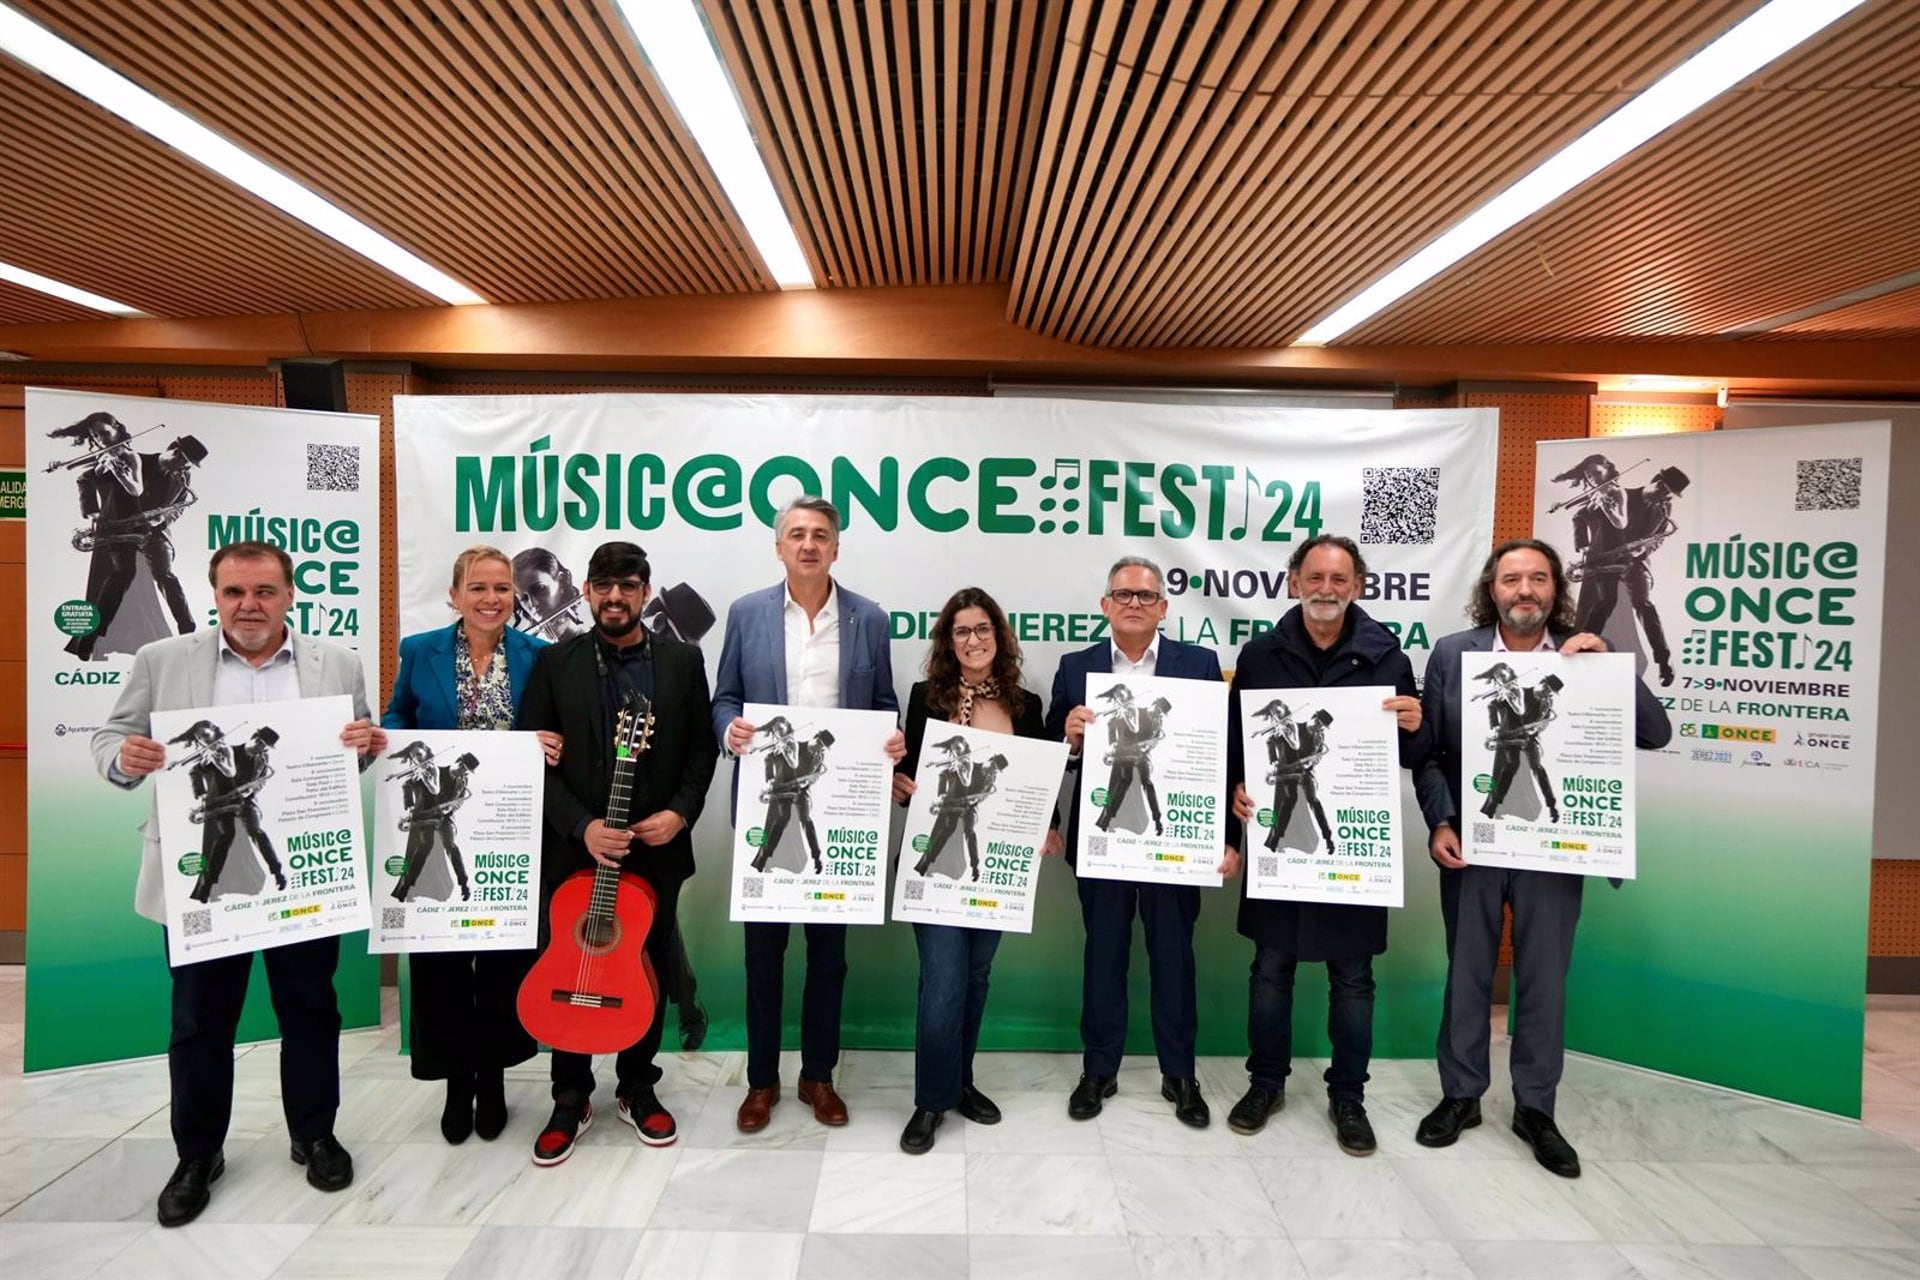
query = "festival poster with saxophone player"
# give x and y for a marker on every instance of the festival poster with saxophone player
(260, 840)
(982, 805)
(1323, 771)
(1546, 756)
(810, 815)
(1152, 780)
(456, 842)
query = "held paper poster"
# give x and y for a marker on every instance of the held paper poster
(1152, 777)
(1546, 755)
(1323, 771)
(259, 812)
(456, 842)
(982, 805)
(810, 815)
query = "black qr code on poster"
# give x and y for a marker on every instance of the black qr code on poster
(333, 468)
(1827, 484)
(1483, 833)
(916, 890)
(195, 923)
(753, 887)
(1398, 505)
(392, 918)
(1268, 867)
(1096, 846)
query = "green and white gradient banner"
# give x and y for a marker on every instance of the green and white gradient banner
(107, 543)
(1030, 499)
(1739, 955)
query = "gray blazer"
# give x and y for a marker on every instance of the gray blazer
(753, 657)
(177, 675)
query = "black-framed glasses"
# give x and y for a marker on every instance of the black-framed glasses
(624, 586)
(1146, 599)
(979, 631)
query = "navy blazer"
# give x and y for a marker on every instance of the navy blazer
(1438, 780)
(424, 696)
(753, 657)
(1178, 660)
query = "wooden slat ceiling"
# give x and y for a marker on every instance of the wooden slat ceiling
(524, 149)
(1893, 315)
(1802, 184)
(1187, 173)
(29, 306)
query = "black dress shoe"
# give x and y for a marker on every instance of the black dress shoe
(1249, 1115)
(1443, 1124)
(1350, 1126)
(489, 1103)
(917, 1138)
(1553, 1152)
(186, 1192)
(1086, 1100)
(329, 1167)
(456, 1117)
(693, 1027)
(977, 1107)
(1189, 1108)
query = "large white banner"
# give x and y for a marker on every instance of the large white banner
(131, 496)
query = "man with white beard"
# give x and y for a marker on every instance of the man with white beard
(1324, 641)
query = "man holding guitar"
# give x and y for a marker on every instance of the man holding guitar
(579, 688)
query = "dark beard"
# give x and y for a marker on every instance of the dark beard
(616, 633)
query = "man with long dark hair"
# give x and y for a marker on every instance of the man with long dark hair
(1519, 605)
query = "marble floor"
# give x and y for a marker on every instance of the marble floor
(1681, 1181)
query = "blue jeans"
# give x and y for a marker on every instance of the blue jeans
(954, 966)
(1349, 1021)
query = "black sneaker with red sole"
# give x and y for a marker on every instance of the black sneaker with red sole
(653, 1122)
(555, 1142)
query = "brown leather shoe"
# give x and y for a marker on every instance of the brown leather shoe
(757, 1109)
(828, 1109)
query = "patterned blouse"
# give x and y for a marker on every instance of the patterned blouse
(486, 701)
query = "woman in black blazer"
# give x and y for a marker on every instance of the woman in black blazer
(464, 1028)
(973, 678)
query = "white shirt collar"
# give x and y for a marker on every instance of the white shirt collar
(283, 654)
(1545, 645)
(829, 612)
(1151, 658)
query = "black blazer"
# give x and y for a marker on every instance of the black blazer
(1026, 723)
(563, 694)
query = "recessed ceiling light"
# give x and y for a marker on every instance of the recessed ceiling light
(59, 289)
(1765, 35)
(88, 76)
(681, 52)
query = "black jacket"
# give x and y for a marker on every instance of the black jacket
(1283, 659)
(1026, 723)
(563, 695)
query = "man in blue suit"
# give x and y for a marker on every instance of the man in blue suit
(1521, 604)
(806, 642)
(1135, 605)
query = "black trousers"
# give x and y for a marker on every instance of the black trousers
(207, 998)
(819, 1002)
(1167, 915)
(463, 1017)
(633, 1066)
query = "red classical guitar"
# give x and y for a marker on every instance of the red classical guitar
(593, 990)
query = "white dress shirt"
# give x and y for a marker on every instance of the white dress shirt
(813, 652)
(1125, 666)
(1546, 644)
(237, 680)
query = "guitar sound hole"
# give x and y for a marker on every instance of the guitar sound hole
(596, 935)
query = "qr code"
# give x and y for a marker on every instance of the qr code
(1096, 846)
(1267, 866)
(1483, 832)
(1828, 484)
(1398, 505)
(334, 468)
(753, 887)
(916, 890)
(195, 923)
(392, 918)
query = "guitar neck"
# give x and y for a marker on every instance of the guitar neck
(606, 880)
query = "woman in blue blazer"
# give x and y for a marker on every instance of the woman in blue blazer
(468, 676)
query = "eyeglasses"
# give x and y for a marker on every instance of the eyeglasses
(980, 631)
(1146, 599)
(624, 586)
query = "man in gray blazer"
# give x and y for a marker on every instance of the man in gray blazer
(1520, 604)
(253, 657)
(806, 642)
